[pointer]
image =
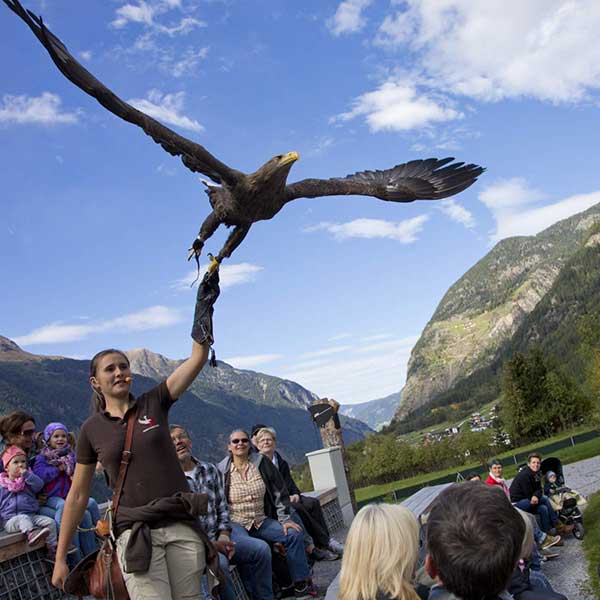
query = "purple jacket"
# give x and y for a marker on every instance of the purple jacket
(23, 502)
(56, 483)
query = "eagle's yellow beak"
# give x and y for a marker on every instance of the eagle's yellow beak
(288, 158)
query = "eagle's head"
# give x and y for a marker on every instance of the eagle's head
(273, 174)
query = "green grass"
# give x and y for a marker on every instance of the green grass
(591, 541)
(567, 455)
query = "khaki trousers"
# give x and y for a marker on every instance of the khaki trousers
(175, 573)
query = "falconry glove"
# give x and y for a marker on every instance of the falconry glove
(208, 292)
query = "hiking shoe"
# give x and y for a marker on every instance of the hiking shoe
(37, 534)
(335, 546)
(549, 554)
(551, 540)
(319, 554)
(305, 591)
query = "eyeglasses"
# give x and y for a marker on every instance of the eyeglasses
(239, 441)
(179, 437)
(28, 432)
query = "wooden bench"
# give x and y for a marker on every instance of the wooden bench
(25, 571)
(332, 511)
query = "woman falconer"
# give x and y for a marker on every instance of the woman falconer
(161, 552)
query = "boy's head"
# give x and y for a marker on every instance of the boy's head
(474, 538)
(551, 476)
(14, 461)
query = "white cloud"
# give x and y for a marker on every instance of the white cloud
(191, 59)
(404, 232)
(454, 51)
(348, 17)
(145, 12)
(153, 317)
(131, 13)
(397, 105)
(166, 108)
(509, 194)
(325, 352)
(86, 55)
(376, 337)
(543, 49)
(251, 361)
(367, 373)
(512, 205)
(43, 110)
(341, 336)
(457, 212)
(229, 274)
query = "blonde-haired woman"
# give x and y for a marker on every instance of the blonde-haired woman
(380, 554)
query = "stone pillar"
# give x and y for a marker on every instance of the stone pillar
(327, 471)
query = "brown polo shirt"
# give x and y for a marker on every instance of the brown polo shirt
(154, 470)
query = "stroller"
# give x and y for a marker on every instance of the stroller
(569, 512)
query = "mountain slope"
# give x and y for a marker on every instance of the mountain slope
(375, 413)
(220, 400)
(486, 306)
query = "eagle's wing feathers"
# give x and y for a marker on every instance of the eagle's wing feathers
(193, 155)
(429, 179)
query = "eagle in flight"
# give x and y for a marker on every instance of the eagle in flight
(238, 199)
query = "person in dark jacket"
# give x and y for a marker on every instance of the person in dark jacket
(527, 494)
(259, 506)
(308, 508)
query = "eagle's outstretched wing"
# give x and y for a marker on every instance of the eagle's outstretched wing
(193, 155)
(428, 179)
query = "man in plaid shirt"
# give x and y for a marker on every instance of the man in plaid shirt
(252, 556)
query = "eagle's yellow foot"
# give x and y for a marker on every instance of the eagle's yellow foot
(214, 264)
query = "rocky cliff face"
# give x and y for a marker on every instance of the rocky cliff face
(486, 306)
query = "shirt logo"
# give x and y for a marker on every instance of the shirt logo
(149, 421)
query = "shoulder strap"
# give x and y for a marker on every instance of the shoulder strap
(125, 458)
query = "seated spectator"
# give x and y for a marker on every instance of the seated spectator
(309, 509)
(474, 539)
(259, 507)
(526, 584)
(18, 504)
(544, 540)
(381, 555)
(18, 429)
(527, 494)
(54, 465)
(472, 476)
(495, 476)
(252, 556)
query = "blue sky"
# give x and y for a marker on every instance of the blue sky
(333, 292)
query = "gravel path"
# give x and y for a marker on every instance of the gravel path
(568, 573)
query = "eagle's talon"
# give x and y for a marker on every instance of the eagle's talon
(214, 263)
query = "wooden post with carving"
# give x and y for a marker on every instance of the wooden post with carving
(325, 414)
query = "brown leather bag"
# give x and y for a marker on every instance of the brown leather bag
(99, 574)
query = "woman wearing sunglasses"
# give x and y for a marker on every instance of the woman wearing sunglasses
(259, 507)
(18, 429)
